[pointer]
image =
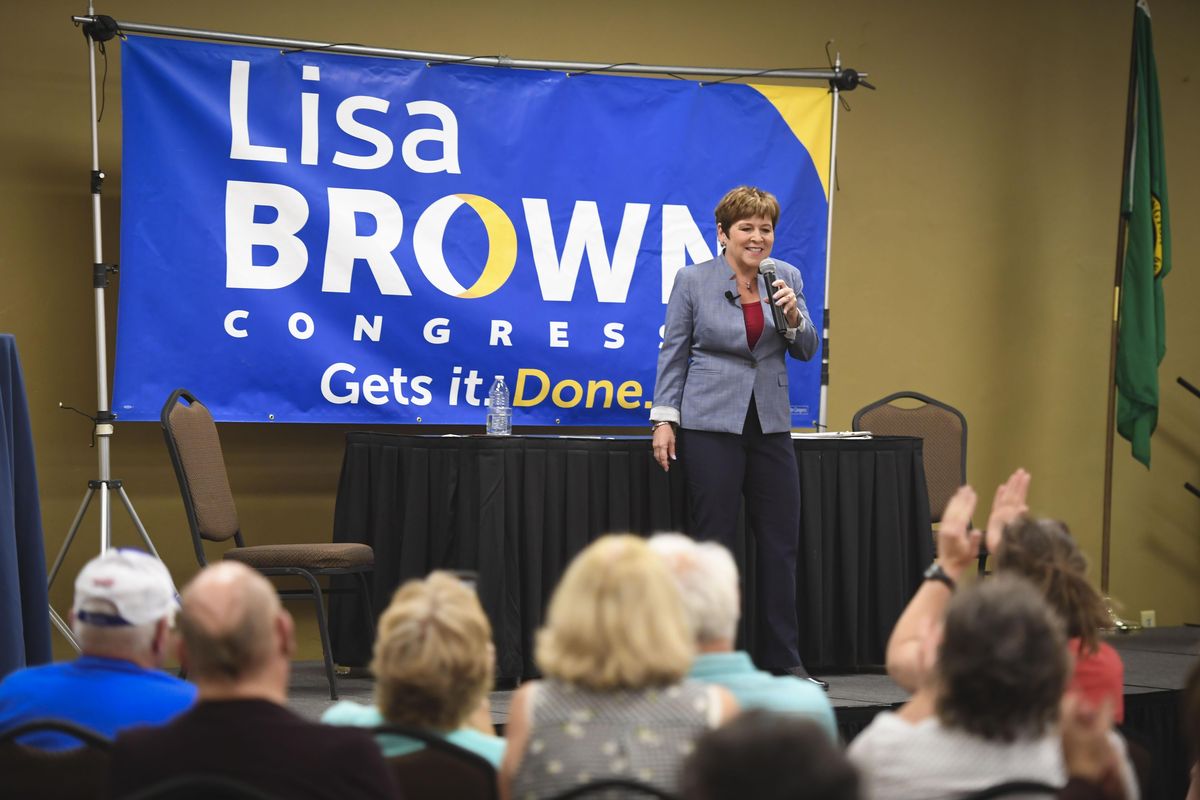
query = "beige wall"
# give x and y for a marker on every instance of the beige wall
(972, 252)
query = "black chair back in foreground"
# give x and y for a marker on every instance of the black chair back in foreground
(201, 787)
(439, 769)
(76, 774)
(1014, 788)
(619, 787)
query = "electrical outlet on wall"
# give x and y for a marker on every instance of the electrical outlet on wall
(1148, 620)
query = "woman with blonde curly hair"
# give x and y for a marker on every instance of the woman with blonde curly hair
(614, 704)
(433, 662)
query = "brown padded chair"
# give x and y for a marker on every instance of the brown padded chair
(440, 769)
(944, 430)
(195, 449)
(74, 774)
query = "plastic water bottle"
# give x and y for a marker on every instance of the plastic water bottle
(499, 417)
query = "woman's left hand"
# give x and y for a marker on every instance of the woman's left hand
(785, 298)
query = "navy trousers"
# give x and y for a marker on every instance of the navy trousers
(721, 469)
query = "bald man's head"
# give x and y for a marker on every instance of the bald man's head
(229, 619)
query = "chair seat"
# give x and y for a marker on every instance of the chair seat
(325, 555)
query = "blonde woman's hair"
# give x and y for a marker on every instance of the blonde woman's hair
(616, 621)
(433, 662)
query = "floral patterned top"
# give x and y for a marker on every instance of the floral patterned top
(578, 735)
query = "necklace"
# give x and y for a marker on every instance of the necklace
(747, 283)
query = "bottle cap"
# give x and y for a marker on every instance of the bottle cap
(499, 377)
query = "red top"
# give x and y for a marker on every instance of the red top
(753, 314)
(1099, 675)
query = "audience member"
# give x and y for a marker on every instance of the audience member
(707, 578)
(912, 654)
(1043, 551)
(1000, 669)
(615, 650)
(433, 666)
(237, 647)
(124, 609)
(768, 756)
(957, 550)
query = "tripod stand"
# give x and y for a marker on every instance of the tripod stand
(97, 31)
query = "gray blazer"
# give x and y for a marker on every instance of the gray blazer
(706, 371)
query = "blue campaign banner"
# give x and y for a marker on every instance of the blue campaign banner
(317, 237)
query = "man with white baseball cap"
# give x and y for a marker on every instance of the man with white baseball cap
(124, 609)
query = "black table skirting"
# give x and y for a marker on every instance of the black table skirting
(517, 509)
(1153, 723)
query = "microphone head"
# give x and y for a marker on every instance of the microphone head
(767, 265)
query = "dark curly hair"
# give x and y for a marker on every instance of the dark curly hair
(1003, 663)
(1043, 551)
(768, 756)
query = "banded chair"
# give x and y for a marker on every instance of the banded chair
(74, 774)
(622, 787)
(944, 431)
(195, 449)
(201, 787)
(1024, 789)
(440, 769)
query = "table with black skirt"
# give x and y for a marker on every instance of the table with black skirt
(516, 509)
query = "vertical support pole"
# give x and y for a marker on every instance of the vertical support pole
(1118, 278)
(823, 411)
(104, 427)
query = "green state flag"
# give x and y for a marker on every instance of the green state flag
(1142, 340)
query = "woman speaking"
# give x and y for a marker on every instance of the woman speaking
(721, 403)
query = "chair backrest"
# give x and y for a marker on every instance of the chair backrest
(1014, 789)
(944, 430)
(201, 787)
(440, 769)
(195, 449)
(74, 774)
(622, 787)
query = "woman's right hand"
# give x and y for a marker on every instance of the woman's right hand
(664, 445)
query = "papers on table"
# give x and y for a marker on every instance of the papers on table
(831, 434)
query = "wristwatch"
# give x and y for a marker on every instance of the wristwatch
(936, 573)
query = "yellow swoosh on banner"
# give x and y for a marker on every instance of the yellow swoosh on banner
(809, 113)
(502, 246)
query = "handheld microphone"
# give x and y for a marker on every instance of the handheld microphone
(767, 270)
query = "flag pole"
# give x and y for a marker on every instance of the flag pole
(1110, 420)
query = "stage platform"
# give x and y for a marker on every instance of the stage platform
(1157, 662)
